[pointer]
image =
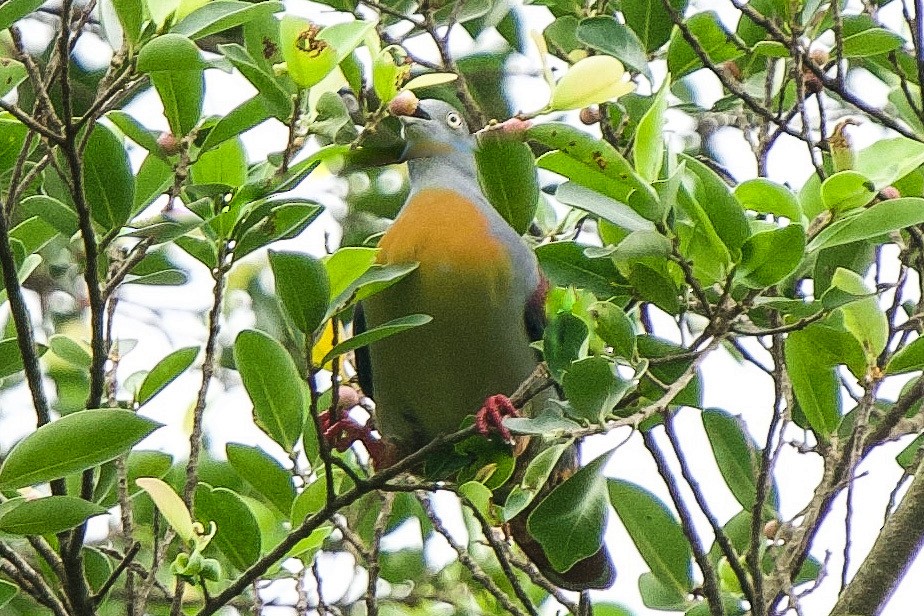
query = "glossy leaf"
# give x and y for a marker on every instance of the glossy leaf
(264, 474)
(766, 197)
(237, 533)
(73, 443)
(170, 506)
(109, 186)
(651, 21)
(11, 358)
(593, 387)
(303, 288)
(713, 39)
(846, 190)
(14, 10)
(611, 210)
(656, 533)
(872, 222)
(770, 256)
(48, 515)
(871, 42)
(176, 70)
(815, 386)
(395, 326)
(12, 73)
(649, 137)
(591, 81)
(565, 264)
(569, 522)
(909, 358)
(735, 453)
(273, 384)
(70, 351)
(537, 473)
(345, 266)
(220, 15)
(605, 34)
(862, 318)
(507, 175)
(165, 372)
(720, 205)
(8, 591)
(565, 340)
(613, 326)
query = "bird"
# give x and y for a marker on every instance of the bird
(482, 285)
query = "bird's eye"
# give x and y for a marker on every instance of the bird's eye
(453, 119)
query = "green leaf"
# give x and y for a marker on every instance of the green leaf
(723, 209)
(846, 190)
(7, 592)
(346, 265)
(569, 522)
(11, 358)
(165, 372)
(376, 278)
(770, 256)
(74, 443)
(131, 16)
(871, 42)
(534, 478)
(816, 387)
(656, 534)
(70, 351)
(109, 186)
(221, 15)
(264, 474)
(564, 341)
(862, 318)
(278, 100)
(611, 210)
(735, 454)
(585, 156)
(48, 515)
(654, 284)
(176, 70)
(170, 506)
(649, 137)
(242, 118)
(651, 21)
(605, 34)
(14, 10)
(566, 264)
(279, 221)
(395, 326)
(273, 384)
(909, 358)
(878, 220)
(593, 387)
(613, 327)
(659, 596)
(907, 456)
(308, 58)
(766, 197)
(225, 164)
(590, 81)
(12, 73)
(237, 535)
(507, 175)
(667, 372)
(707, 28)
(52, 211)
(303, 287)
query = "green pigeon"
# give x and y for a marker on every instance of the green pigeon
(481, 284)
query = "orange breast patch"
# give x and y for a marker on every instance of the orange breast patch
(446, 234)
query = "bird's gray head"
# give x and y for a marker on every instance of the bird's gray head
(433, 129)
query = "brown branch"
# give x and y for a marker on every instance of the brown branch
(896, 546)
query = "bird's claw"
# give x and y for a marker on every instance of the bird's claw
(344, 431)
(491, 416)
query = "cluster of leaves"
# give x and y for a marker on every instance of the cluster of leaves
(649, 233)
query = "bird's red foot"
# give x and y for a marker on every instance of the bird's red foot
(491, 416)
(342, 433)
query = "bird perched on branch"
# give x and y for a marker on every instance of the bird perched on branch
(482, 286)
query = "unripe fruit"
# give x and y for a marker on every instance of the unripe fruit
(169, 144)
(404, 104)
(590, 115)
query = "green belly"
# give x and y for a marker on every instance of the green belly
(428, 379)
